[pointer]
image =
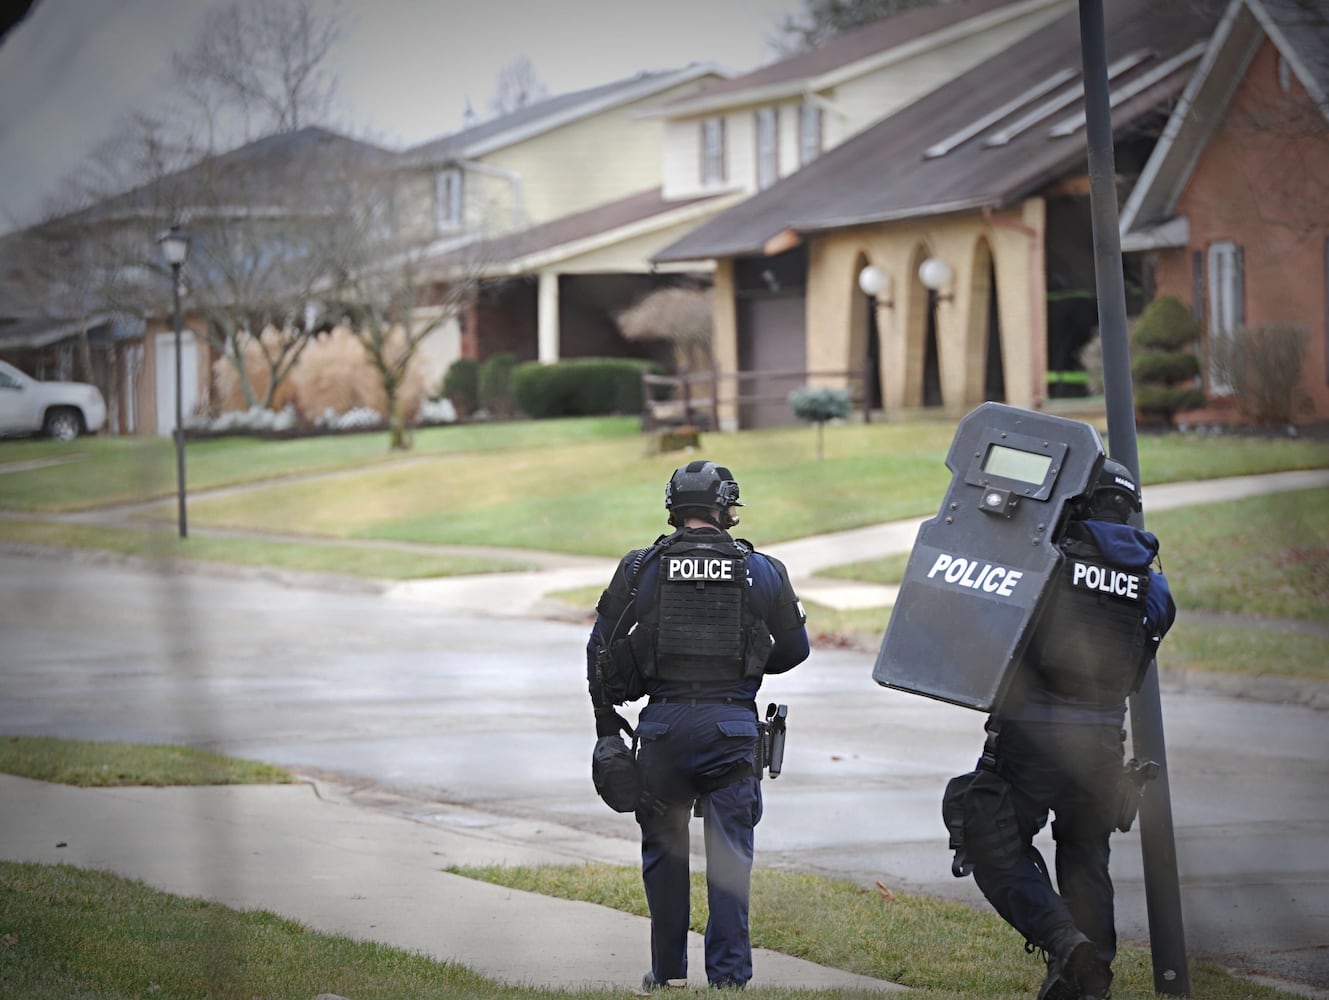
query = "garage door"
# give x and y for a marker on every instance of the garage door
(772, 337)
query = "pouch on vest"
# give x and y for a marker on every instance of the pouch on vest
(618, 674)
(980, 817)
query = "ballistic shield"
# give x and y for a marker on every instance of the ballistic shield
(980, 570)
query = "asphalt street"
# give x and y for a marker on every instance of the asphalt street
(460, 719)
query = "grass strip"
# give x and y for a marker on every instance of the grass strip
(367, 561)
(68, 932)
(939, 948)
(103, 765)
(74, 933)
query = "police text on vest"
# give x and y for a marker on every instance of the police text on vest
(990, 578)
(1109, 581)
(700, 569)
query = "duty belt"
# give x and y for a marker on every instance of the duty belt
(690, 700)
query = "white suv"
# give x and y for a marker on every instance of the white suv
(62, 410)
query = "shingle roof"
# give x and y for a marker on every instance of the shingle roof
(546, 113)
(881, 36)
(278, 162)
(997, 133)
(508, 252)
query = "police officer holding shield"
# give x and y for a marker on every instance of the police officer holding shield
(694, 622)
(1056, 739)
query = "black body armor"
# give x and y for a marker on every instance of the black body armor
(1091, 641)
(700, 627)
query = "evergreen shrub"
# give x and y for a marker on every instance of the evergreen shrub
(581, 387)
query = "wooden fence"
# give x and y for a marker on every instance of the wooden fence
(694, 399)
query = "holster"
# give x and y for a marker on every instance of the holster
(1130, 790)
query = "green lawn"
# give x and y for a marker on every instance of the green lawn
(593, 486)
(105, 765)
(68, 932)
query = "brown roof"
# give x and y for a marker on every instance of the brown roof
(881, 36)
(511, 248)
(885, 173)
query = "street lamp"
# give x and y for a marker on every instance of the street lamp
(175, 248)
(876, 284)
(937, 275)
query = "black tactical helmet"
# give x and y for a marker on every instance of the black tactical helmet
(1116, 495)
(702, 488)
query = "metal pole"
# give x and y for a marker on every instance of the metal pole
(1157, 842)
(179, 406)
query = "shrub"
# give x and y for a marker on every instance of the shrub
(818, 405)
(255, 420)
(1165, 368)
(1263, 364)
(579, 388)
(1163, 364)
(435, 411)
(1166, 325)
(494, 388)
(461, 385)
(1091, 360)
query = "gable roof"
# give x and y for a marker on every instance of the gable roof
(552, 112)
(855, 53)
(1298, 30)
(282, 161)
(571, 235)
(985, 139)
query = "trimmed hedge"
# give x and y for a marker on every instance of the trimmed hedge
(1165, 368)
(1166, 325)
(495, 384)
(582, 387)
(461, 384)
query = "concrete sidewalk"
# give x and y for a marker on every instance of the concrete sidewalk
(302, 852)
(523, 594)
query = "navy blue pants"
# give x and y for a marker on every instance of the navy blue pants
(682, 744)
(1072, 770)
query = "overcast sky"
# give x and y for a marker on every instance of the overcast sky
(405, 67)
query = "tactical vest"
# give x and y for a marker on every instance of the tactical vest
(1091, 639)
(700, 627)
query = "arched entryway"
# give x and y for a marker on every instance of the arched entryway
(985, 377)
(865, 335)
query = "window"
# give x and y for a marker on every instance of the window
(809, 133)
(447, 199)
(768, 147)
(1227, 307)
(712, 151)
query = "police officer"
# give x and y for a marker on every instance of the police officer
(701, 617)
(1057, 739)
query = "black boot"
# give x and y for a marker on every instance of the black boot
(1072, 964)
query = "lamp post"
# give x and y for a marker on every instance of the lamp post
(876, 285)
(175, 248)
(937, 275)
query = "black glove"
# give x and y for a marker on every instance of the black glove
(607, 722)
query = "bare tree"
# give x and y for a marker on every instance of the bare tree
(260, 66)
(518, 86)
(255, 215)
(383, 286)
